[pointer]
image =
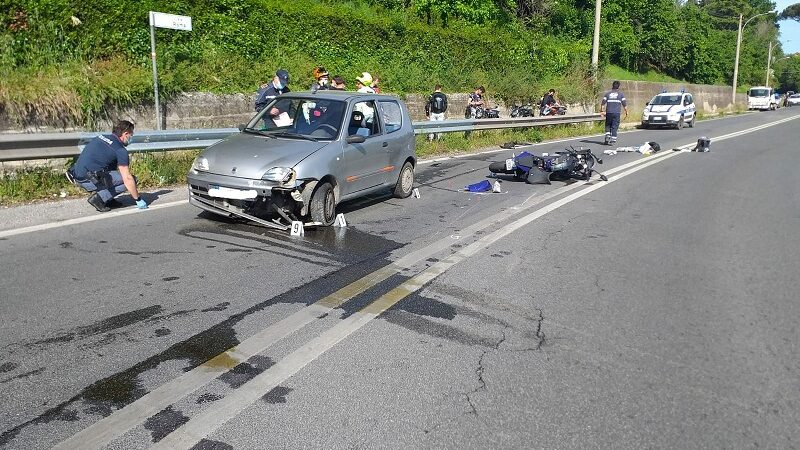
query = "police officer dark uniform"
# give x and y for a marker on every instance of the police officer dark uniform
(102, 168)
(612, 105)
(267, 92)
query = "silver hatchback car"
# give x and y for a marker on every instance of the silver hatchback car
(305, 153)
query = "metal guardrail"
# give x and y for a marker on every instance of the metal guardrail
(25, 146)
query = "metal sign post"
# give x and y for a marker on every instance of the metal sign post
(170, 21)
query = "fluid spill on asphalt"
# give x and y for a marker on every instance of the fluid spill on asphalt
(163, 332)
(246, 371)
(164, 422)
(345, 245)
(219, 307)
(102, 326)
(23, 375)
(422, 325)
(66, 245)
(363, 253)
(170, 278)
(208, 444)
(277, 395)
(8, 367)
(207, 398)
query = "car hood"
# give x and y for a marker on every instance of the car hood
(662, 108)
(246, 155)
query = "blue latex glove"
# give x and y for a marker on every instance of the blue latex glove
(141, 204)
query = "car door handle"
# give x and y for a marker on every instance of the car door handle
(385, 144)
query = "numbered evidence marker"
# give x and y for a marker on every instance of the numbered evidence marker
(340, 222)
(497, 187)
(297, 228)
(415, 192)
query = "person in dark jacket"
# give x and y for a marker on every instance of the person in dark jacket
(612, 106)
(103, 168)
(279, 85)
(435, 108)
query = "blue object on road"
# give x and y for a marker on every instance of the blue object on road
(483, 186)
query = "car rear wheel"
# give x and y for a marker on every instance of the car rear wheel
(405, 182)
(323, 205)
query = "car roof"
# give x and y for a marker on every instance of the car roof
(671, 93)
(338, 95)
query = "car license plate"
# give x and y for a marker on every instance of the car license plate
(657, 119)
(237, 194)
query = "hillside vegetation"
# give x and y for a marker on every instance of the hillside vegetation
(64, 61)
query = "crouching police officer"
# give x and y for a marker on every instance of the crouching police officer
(102, 168)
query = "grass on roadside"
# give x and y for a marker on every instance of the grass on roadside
(39, 183)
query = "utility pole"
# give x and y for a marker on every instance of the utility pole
(736, 64)
(596, 39)
(769, 59)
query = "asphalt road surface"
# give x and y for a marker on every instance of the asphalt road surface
(658, 309)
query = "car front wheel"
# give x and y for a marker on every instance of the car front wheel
(323, 205)
(405, 182)
(679, 125)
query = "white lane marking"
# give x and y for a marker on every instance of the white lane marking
(102, 432)
(79, 220)
(221, 411)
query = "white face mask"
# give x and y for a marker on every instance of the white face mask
(323, 81)
(278, 84)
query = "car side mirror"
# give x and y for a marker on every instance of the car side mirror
(242, 126)
(355, 139)
(647, 104)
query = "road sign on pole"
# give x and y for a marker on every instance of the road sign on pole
(162, 20)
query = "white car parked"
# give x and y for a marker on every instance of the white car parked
(793, 100)
(674, 109)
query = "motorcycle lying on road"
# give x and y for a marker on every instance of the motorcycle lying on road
(563, 165)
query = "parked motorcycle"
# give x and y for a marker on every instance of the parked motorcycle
(522, 110)
(552, 110)
(479, 112)
(563, 165)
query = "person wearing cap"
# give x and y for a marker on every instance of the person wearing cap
(320, 79)
(268, 91)
(103, 168)
(363, 83)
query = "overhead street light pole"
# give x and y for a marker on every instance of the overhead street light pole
(738, 46)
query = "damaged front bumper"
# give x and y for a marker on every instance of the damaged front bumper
(248, 198)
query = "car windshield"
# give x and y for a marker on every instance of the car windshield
(758, 93)
(292, 118)
(666, 100)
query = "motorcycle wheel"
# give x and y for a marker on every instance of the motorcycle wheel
(498, 167)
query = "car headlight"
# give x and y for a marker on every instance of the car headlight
(279, 174)
(200, 163)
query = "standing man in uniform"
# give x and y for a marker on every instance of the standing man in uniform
(611, 107)
(435, 108)
(279, 85)
(102, 168)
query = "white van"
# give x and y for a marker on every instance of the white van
(761, 97)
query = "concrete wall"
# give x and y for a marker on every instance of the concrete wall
(205, 110)
(710, 100)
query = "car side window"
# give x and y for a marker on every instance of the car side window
(363, 120)
(392, 116)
